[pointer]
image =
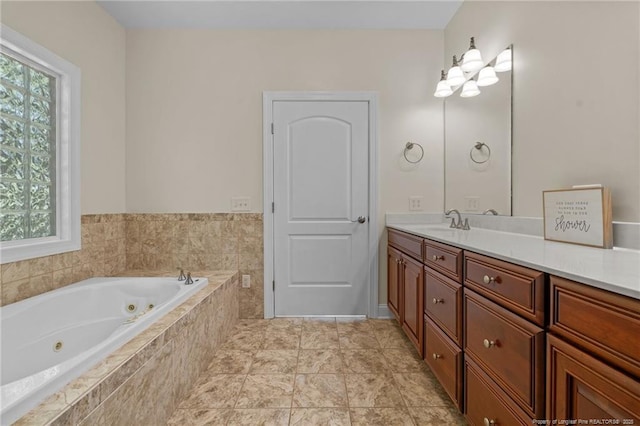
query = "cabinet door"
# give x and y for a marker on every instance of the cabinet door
(394, 268)
(412, 301)
(582, 387)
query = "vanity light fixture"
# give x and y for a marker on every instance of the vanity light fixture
(487, 76)
(503, 61)
(470, 89)
(455, 76)
(443, 89)
(472, 59)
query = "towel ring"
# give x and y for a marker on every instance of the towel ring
(479, 146)
(410, 146)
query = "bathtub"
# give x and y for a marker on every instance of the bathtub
(50, 339)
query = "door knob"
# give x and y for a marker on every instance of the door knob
(361, 219)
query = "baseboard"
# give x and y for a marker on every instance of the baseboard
(384, 312)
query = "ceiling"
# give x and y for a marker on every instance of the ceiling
(291, 14)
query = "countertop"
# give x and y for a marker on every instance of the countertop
(615, 270)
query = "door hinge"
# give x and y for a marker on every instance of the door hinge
(273, 207)
(274, 285)
(272, 132)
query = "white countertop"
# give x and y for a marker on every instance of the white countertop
(616, 270)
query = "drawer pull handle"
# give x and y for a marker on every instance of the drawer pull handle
(436, 301)
(489, 343)
(437, 356)
(487, 279)
(488, 422)
(436, 257)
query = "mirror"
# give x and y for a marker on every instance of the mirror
(478, 148)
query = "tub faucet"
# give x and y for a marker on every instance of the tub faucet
(189, 280)
(459, 224)
(492, 211)
(181, 276)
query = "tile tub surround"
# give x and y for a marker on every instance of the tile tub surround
(144, 380)
(103, 253)
(212, 241)
(112, 243)
(294, 371)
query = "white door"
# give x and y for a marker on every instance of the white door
(321, 227)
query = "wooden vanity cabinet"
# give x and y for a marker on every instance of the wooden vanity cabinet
(406, 284)
(593, 354)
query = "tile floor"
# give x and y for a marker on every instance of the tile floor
(294, 371)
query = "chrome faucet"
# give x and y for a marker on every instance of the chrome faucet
(189, 280)
(181, 276)
(492, 211)
(459, 224)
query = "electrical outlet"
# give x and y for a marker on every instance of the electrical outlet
(415, 203)
(472, 203)
(246, 281)
(240, 204)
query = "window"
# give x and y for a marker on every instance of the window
(39, 147)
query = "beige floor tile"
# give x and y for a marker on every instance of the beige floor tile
(266, 391)
(260, 416)
(319, 339)
(319, 324)
(320, 417)
(197, 417)
(319, 361)
(403, 360)
(274, 361)
(383, 324)
(380, 417)
(285, 323)
(215, 391)
(364, 361)
(358, 340)
(435, 416)
(372, 390)
(252, 325)
(231, 362)
(392, 338)
(355, 324)
(282, 338)
(418, 390)
(319, 390)
(245, 340)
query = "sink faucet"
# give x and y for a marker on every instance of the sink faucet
(459, 224)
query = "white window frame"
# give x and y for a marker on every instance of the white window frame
(67, 236)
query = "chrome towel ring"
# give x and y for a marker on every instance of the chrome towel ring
(479, 146)
(409, 146)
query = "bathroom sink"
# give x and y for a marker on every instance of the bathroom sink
(437, 230)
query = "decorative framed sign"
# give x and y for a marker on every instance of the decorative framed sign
(578, 216)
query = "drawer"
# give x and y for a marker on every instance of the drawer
(518, 289)
(485, 402)
(443, 304)
(601, 322)
(509, 348)
(444, 358)
(444, 258)
(410, 244)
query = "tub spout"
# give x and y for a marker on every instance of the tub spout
(189, 280)
(181, 276)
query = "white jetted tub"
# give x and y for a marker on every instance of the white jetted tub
(50, 339)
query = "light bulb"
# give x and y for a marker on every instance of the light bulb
(472, 59)
(487, 77)
(503, 61)
(470, 89)
(443, 90)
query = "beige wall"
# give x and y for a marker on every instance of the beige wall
(84, 34)
(194, 111)
(575, 110)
